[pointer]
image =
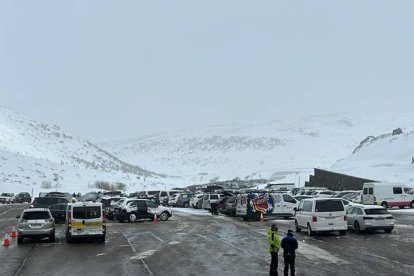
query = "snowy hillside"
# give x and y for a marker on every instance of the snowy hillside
(284, 149)
(32, 153)
(386, 157)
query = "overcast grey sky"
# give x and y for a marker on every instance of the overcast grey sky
(106, 70)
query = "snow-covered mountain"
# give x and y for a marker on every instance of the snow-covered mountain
(281, 149)
(37, 155)
(385, 157)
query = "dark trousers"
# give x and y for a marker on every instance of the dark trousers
(274, 264)
(289, 262)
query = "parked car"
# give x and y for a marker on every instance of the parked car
(183, 199)
(58, 212)
(210, 198)
(143, 209)
(172, 200)
(321, 215)
(229, 206)
(7, 198)
(283, 206)
(46, 202)
(109, 203)
(387, 195)
(35, 223)
(85, 220)
(23, 197)
(370, 218)
(194, 200)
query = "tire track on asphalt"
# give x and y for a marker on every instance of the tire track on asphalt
(134, 250)
(25, 259)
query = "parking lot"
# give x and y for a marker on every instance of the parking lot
(193, 242)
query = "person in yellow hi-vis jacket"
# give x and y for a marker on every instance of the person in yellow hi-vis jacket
(274, 246)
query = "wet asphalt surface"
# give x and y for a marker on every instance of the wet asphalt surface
(201, 244)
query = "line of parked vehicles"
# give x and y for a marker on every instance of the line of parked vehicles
(313, 209)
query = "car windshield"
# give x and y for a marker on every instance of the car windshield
(36, 215)
(329, 206)
(376, 211)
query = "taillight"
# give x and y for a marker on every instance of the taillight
(314, 218)
(69, 217)
(367, 218)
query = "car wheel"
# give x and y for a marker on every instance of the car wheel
(132, 218)
(384, 204)
(164, 216)
(101, 239)
(19, 240)
(309, 230)
(357, 227)
(389, 230)
(297, 226)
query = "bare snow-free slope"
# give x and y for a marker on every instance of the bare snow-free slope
(385, 158)
(32, 153)
(281, 149)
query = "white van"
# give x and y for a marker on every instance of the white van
(321, 215)
(283, 205)
(85, 220)
(387, 194)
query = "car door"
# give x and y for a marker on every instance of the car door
(349, 217)
(278, 204)
(289, 204)
(142, 209)
(298, 214)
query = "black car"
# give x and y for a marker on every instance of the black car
(46, 202)
(23, 197)
(58, 212)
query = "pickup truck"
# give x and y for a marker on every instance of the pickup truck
(7, 198)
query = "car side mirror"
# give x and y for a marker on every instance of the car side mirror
(18, 216)
(295, 209)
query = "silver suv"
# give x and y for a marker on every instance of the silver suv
(35, 223)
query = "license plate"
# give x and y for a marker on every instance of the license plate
(35, 225)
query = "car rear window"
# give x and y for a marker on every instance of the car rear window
(89, 212)
(36, 215)
(45, 200)
(376, 212)
(329, 206)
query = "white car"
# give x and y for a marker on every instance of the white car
(321, 215)
(7, 198)
(370, 217)
(195, 199)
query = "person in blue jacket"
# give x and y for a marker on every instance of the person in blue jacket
(289, 245)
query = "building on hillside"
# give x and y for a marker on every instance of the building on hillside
(335, 181)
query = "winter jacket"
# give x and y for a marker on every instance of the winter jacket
(289, 245)
(274, 242)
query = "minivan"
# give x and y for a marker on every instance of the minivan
(321, 215)
(85, 220)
